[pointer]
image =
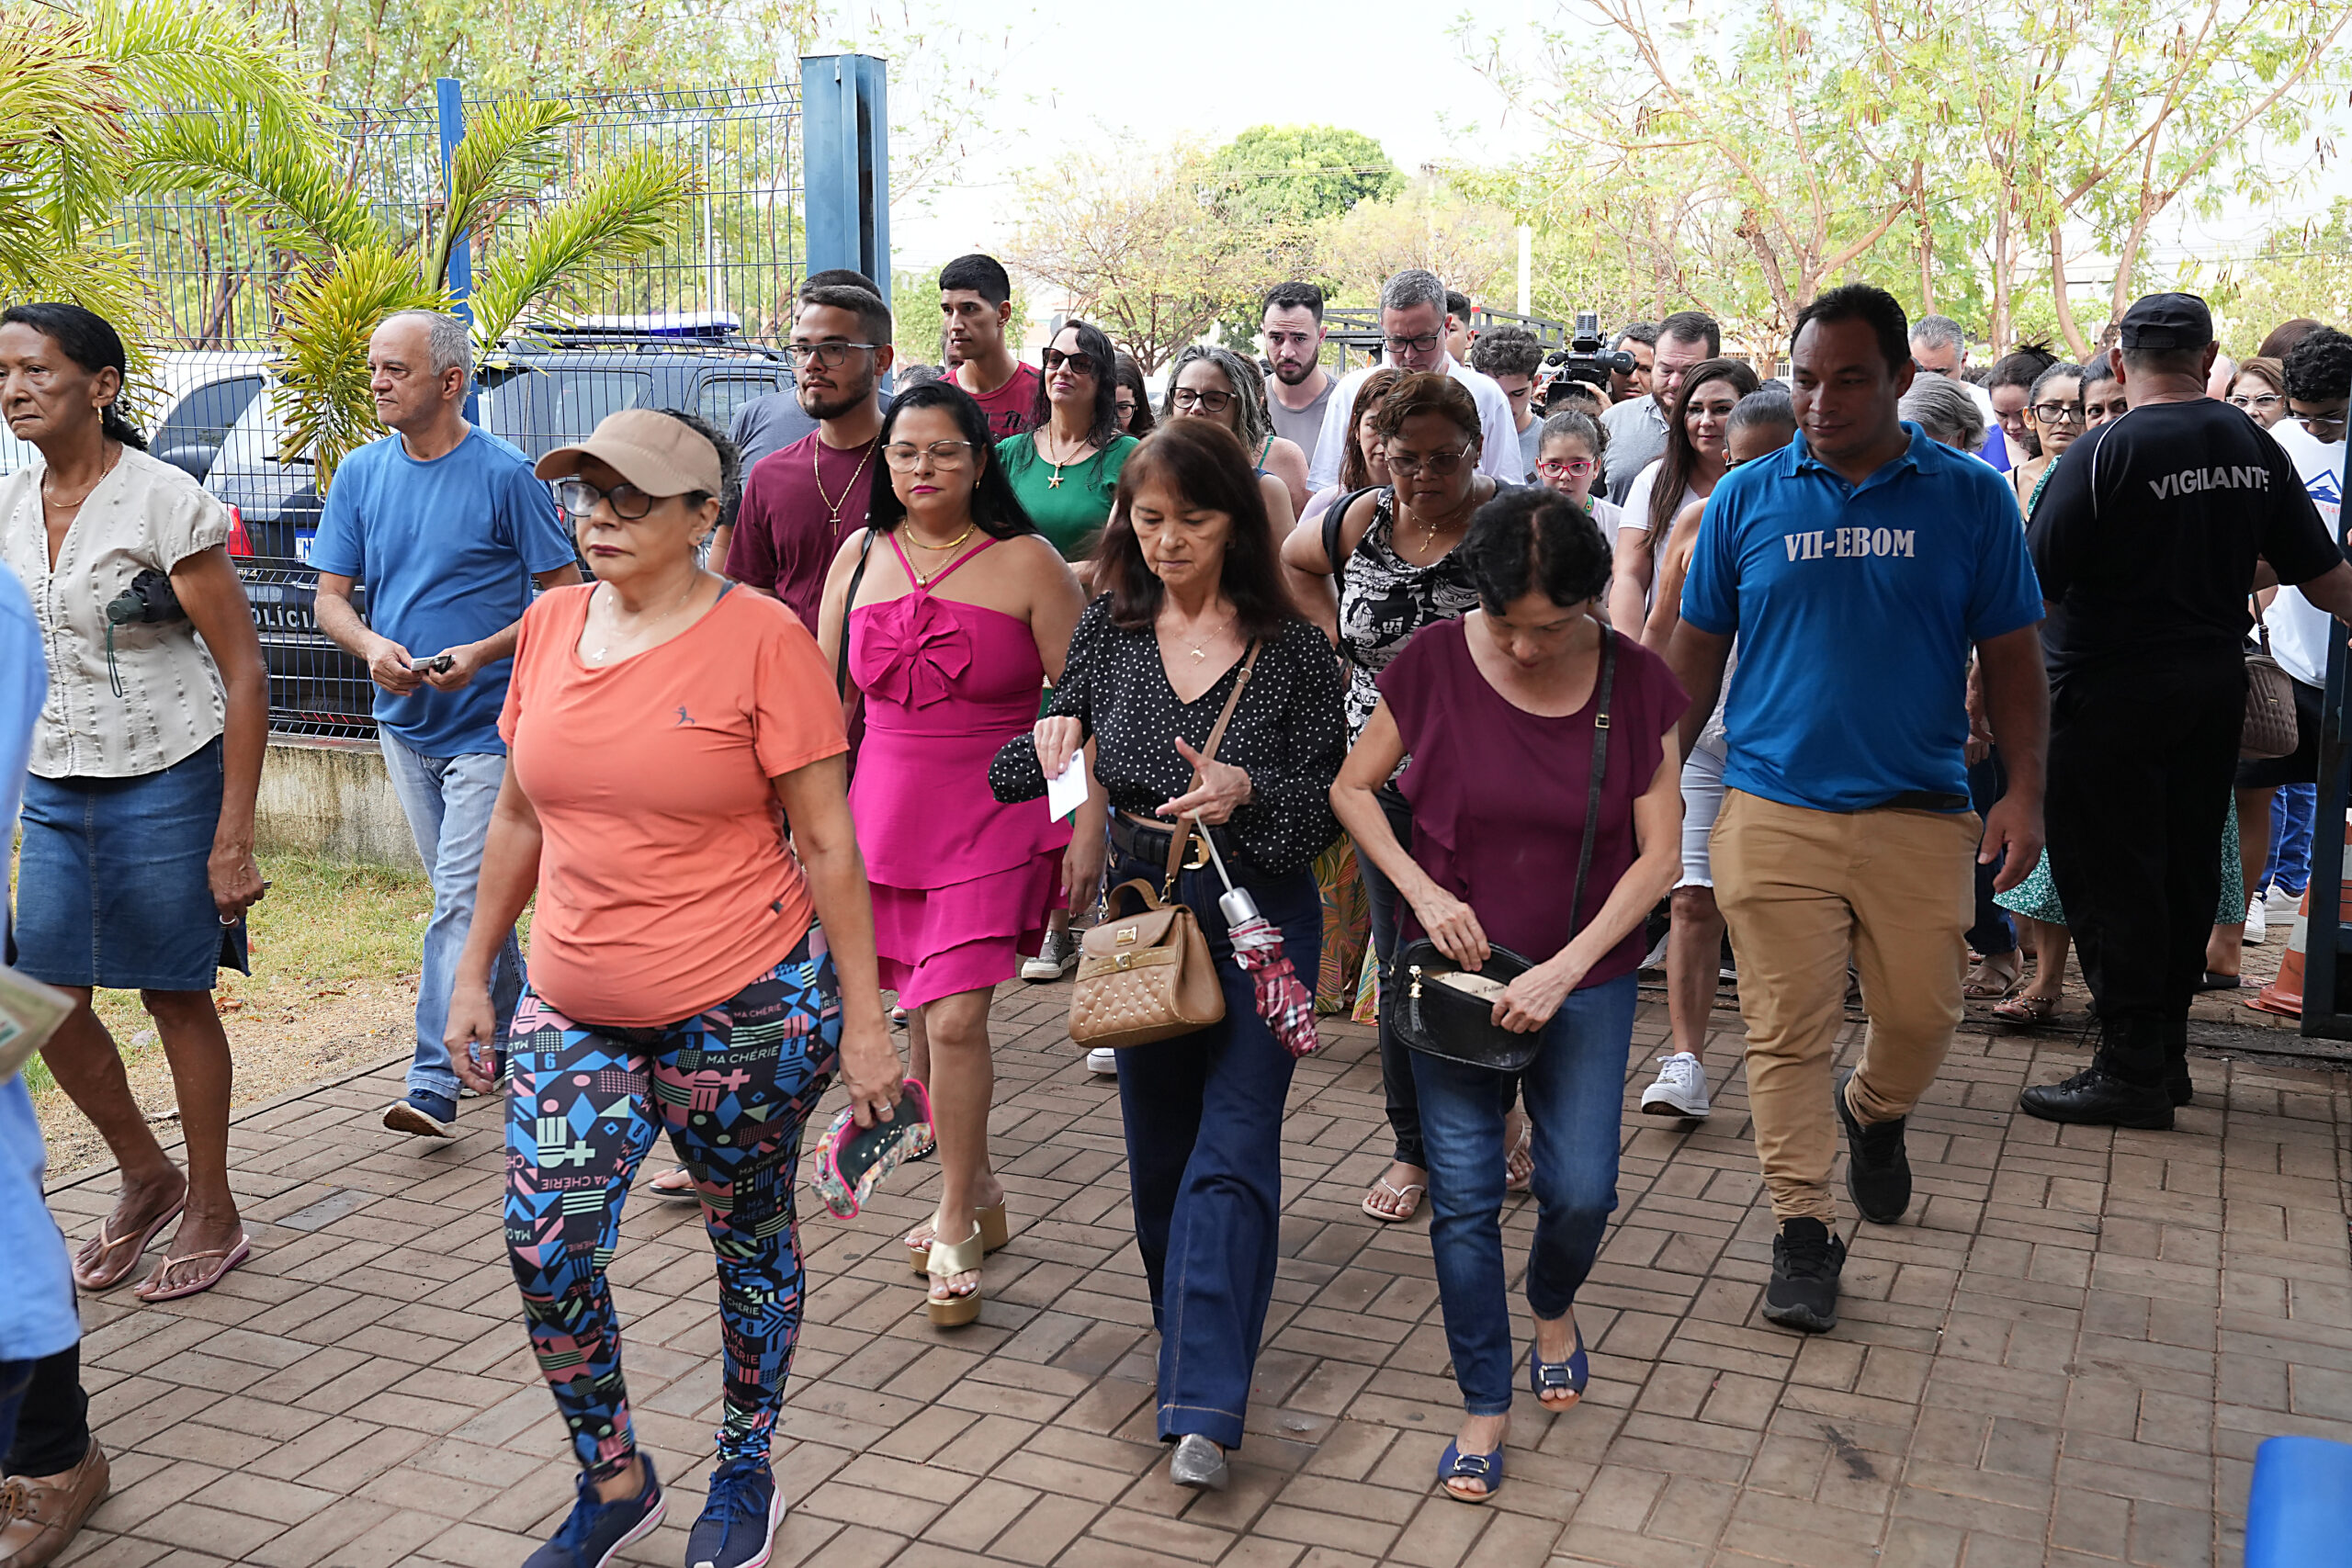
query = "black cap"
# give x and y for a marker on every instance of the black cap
(2168, 320)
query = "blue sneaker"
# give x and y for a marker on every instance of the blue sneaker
(596, 1531)
(738, 1525)
(426, 1113)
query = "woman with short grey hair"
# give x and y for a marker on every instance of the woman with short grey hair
(1947, 411)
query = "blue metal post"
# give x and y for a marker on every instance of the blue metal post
(451, 97)
(846, 124)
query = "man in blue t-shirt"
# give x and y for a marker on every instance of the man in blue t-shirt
(448, 530)
(1859, 567)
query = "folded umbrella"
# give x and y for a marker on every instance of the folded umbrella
(1283, 1000)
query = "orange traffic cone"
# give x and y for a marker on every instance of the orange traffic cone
(2284, 995)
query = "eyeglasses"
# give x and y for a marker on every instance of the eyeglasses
(1420, 345)
(1080, 363)
(1207, 402)
(828, 355)
(2266, 402)
(579, 498)
(1437, 465)
(905, 455)
(2327, 429)
(1571, 469)
(1730, 463)
(2057, 413)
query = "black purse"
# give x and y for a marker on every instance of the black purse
(1449, 1013)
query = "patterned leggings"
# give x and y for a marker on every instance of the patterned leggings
(732, 1086)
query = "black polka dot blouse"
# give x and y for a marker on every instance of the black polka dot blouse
(1288, 733)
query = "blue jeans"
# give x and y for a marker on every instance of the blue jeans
(1204, 1115)
(1574, 1096)
(447, 801)
(2292, 811)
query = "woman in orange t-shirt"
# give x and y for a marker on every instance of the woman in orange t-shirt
(680, 979)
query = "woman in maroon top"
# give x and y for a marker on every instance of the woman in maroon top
(1496, 712)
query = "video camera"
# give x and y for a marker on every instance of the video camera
(1583, 360)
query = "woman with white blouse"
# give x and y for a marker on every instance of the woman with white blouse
(137, 864)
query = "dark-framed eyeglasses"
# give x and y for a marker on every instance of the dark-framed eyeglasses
(579, 498)
(1081, 363)
(1420, 345)
(2057, 413)
(1437, 465)
(1186, 399)
(829, 354)
(905, 455)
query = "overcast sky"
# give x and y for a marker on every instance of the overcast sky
(1091, 75)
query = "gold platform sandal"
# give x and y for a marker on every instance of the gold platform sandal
(945, 1261)
(995, 1231)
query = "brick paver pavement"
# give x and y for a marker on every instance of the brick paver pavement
(2065, 1354)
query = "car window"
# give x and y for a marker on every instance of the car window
(540, 411)
(251, 445)
(204, 417)
(720, 396)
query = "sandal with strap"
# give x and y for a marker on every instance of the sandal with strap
(945, 1261)
(95, 1281)
(1487, 1470)
(2027, 1011)
(1985, 983)
(1519, 1167)
(996, 1229)
(224, 1259)
(1407, 1197)
(1557, 1378)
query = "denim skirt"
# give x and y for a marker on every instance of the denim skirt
(112, 887)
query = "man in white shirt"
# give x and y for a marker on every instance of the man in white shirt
(1939, 347)
(1413, 322)
(2319, 381)
(1636, 430)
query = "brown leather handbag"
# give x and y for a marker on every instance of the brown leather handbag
(2270, 729)
(1148, 976)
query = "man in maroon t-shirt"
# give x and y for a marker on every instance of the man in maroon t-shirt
(976, 297)
(801, 501)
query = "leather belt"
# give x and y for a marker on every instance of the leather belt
(1149, 845)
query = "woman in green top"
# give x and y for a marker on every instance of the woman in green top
(1066, 470)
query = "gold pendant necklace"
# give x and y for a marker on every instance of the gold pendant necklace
(816, 472)
(1059, 463)
(922, 579)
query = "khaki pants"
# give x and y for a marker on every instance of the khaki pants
(1800, 889)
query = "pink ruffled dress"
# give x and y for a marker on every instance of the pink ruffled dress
(962, 885)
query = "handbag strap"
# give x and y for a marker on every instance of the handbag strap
(849, 603)
(1599, 770)
(1181, 838)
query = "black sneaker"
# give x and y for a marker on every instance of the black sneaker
(1878, 1169)
(1806, 1261)
(2097, 1098)
(596, 1531)
(738, 1525)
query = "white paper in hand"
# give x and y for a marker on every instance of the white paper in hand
(1066, 791)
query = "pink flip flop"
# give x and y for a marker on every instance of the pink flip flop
(229, 1257)
(138, 1244)
(850, 1159)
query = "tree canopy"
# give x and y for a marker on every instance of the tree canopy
(1301, 175)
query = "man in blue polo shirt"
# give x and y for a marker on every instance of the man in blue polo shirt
(1858, 566)
(448, 530)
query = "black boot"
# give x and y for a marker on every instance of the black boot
(2097, 1097)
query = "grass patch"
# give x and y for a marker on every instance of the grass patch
(324, 926)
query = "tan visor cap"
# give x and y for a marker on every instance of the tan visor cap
(659, 454)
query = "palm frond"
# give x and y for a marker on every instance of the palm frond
(630, 208)
(511, 150)
(170, 54)
(284, 179)
(61, 119)
(34, 264)
(324, 404)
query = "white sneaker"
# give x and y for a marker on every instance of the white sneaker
(1103, 1060)
(2258, 924)
(2282, 904)
(1057, 957)
(1681, 1088)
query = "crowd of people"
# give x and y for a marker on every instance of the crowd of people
(1871, 677)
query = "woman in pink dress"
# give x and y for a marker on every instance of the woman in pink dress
(959, 613)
